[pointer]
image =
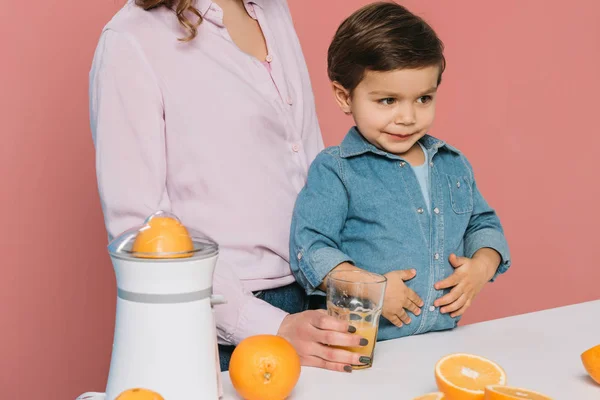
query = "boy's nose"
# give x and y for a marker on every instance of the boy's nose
(405, 116)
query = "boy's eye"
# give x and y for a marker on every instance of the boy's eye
(387, 101)
(424, 99)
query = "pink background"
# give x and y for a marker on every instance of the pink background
(519, 98)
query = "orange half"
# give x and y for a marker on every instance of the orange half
(501, 392)
(163, 237)
(431, 396)
(139, 394)
(591, 361)
(465, 376)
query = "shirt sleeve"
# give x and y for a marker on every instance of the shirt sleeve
(485, 230)
(127, 124)
(318, 219)
(128, 130)
(243, 314)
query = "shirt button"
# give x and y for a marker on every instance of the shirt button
(296, 147)
(436, 210)
(431, 163)
(299, 256)
(420, 210)
(289, 101)
(458, 184)
(431, 308)
(402, 164)
(436, 256)
(269, 58)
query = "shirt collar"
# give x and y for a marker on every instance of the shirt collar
(204, 6)
(355, 144)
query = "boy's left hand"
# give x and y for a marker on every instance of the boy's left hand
(469, 277)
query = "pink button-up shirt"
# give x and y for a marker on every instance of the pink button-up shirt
(205, 131)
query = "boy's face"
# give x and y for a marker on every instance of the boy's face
(394, 109)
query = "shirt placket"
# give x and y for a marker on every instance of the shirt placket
(277, 70)
(286, 101)
(437, 239)
(276, 75)
(436, 244)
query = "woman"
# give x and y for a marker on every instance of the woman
(204, 108)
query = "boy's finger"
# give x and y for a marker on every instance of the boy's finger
(395, 320)
(449, 297)
(412, 307)
(459, 303)
(404, 317)
(456, 261)
(406, 274)
(461, 311)
(450, 281)
(412, 296)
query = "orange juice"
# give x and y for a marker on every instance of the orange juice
(368, 331)
(365, 327)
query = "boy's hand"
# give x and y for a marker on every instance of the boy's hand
(469, 277)
(399, 297)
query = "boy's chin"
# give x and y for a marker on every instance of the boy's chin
(397, 148)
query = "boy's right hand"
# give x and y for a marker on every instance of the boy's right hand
(399, 297)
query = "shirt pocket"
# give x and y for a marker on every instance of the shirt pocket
(461, 193)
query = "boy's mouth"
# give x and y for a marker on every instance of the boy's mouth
(396, 136)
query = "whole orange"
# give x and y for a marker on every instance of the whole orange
(163, 237)
(264, 367)
(139, 394)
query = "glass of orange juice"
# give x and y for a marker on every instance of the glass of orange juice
(356, 296)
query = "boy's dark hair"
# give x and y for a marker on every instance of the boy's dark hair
(382, 36)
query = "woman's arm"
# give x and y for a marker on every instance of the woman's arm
(128, 129)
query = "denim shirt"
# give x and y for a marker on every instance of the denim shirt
(363, 205)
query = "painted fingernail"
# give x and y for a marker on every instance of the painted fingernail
(363, 342)
(347, 368)
(364, 360)
(351, 329)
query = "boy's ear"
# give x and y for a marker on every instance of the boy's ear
(342, 97)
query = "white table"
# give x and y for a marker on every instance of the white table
(539, 351)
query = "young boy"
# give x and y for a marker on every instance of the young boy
(390, 198)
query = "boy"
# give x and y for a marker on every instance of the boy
(390, 198)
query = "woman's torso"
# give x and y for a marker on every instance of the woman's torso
(239, 136)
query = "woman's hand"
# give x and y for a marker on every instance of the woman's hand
(314, 334)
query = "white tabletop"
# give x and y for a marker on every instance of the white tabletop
(539, 351)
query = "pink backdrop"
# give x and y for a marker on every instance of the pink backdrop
(519, 98)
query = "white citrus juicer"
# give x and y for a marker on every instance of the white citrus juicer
(165, 335)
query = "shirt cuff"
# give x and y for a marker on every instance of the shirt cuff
(320, 263)
(257, 317)
(492, 239)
